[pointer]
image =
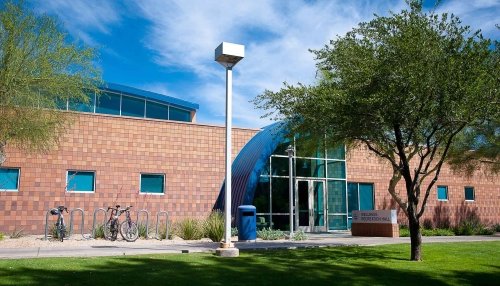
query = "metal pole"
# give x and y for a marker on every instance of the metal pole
(290, 187)
(229, 111)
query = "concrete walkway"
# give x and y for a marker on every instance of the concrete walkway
(157, 247)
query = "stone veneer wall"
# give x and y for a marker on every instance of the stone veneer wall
(119, 149)
(366, 168)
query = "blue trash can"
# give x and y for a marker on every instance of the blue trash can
(247, 221)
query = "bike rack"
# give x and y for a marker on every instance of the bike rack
(147, 221)
(95, 215)
(47, 222)
(71, 222)
(157, 236)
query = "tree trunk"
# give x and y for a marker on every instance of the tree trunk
(415, 238)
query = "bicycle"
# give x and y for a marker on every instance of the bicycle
(128, 229)
(60, 225)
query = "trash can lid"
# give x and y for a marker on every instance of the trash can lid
(247, 207)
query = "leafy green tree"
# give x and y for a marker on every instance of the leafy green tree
(405, 86)
(39, 69)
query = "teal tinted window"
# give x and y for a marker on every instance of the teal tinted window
(442, 193)
(469, 194)
(336, 197)
(132, 106)
(352, 197)
(336, 153)
(82, 106)
(366, 197)
(179, 114)
(9, 179)
(279, 166)
(336, 169)
(80, 181)
(108, 103)
(152, 183)
(280, 195)
(261, 198)
(157, 111)
(61, 104)
(337, 222)
(310, 168)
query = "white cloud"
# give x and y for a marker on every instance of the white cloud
(82, 16)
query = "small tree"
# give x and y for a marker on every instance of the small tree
(39, 69)
(405, 86)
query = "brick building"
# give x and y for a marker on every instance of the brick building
(133, 147)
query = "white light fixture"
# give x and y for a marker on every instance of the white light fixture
(228, 55)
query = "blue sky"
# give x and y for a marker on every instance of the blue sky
(167, 46)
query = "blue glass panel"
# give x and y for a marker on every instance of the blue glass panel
(108, 103)
(61, 104)
(336, 197)
(310, 168)
(81, 106)
(152, 183)
(156, 110)
(336, 153)
(280, 195)
(9, 179)
(132, 106)
(336, 169)
(352, 197)
(442, 192)
(366, 197)
(469, 193)
(279, 166)
(80, 181)
(319, 209)
(337, 222)
(261, 197)
(179, 114)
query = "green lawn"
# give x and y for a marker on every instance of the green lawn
(445, 264)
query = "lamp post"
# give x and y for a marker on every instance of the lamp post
(290, 152)
(228, 55)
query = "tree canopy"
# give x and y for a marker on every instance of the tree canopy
(407, 86)
(40, 67)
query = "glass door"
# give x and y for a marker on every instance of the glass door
(311, 205)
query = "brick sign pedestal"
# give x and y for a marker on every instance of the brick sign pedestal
(375, 223)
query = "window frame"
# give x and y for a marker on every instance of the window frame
(78, 191)
(149, 193)
(18, 179)
(473, 193)
(447, 193)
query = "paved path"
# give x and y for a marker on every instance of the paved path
(156, 247)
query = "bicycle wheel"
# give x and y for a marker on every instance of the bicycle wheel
(110, 231)
(129, 231)
(61, 231)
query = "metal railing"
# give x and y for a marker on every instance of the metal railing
(157, 235)
(147, 220)
(47, 221)
(71, 224)
(94, 220)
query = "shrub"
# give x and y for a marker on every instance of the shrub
(99, 231)
(299, 235)
(404, 231)
(270, 234)
(427, 224)
(189, 229)
(1, 236)
(214, 226)
(438, 232)
(162, 231)
(234, 231)
(143, 230)
(472, 226)
(17, 233)
(496, 227)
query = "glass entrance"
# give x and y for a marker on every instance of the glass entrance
(310, 212)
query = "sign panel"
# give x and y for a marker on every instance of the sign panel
(375, 216)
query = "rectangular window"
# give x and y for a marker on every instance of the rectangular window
(80, 181)
(156, 110)
(179, 114)
(9, 179)
(469, 193)
(152, 183)
(108, 103)
(132, 106)
(81, 106)
(442, 193)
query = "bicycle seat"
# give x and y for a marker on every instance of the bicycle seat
(117, 206)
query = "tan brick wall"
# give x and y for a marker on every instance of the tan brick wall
(362, 166)
(118, 149)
